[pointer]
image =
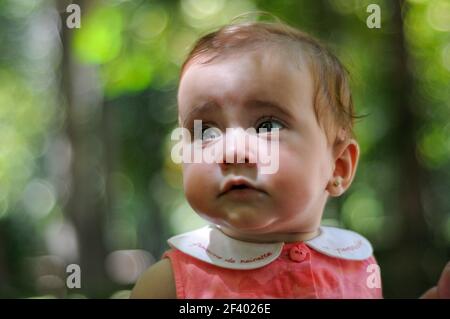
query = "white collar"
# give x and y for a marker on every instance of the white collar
(211, 245)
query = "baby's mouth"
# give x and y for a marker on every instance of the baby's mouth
(242, 186)
(239, 185)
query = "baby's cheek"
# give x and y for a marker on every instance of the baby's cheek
(293, 184)
(198, 184)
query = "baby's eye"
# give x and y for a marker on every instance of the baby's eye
(210, 133)
(268, 125)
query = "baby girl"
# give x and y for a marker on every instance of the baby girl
(265, 238)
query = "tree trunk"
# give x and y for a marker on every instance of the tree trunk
(413, 231)
(87, 203)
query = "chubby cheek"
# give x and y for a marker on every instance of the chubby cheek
(296, 184)
(200, 185)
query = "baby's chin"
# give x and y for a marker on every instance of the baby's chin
(241, 220)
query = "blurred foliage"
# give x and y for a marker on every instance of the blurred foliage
(86, 116)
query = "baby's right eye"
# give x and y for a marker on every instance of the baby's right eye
(210, 133)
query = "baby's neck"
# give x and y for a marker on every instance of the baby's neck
(270, 238)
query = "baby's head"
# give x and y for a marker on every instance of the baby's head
(267, 76)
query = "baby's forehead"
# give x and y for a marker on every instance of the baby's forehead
(254, 79)
(245, 74)
(255, 66)
(286, 53)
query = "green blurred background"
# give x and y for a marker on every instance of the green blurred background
(86, 115)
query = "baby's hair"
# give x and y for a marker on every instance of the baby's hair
(333, 104)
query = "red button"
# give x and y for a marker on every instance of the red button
(297, 254)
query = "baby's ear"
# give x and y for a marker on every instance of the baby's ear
(345, 156)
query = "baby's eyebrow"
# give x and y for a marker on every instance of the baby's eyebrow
(262, 104)
(207, 107)
(252, 105)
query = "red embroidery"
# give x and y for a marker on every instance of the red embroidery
(263, 256)
(198, 244)
(354, 247)
(231, 260)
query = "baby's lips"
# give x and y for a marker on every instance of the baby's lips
(238, 182)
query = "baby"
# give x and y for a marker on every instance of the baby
(265, 238)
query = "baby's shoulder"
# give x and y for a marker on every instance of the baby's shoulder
(157, 282)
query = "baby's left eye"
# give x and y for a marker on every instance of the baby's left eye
(210, 133)
(268, 125)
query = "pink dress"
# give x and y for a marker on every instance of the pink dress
(208, 264)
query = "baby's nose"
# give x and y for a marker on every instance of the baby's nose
(239, 146)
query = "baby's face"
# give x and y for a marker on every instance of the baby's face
(259, 89)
